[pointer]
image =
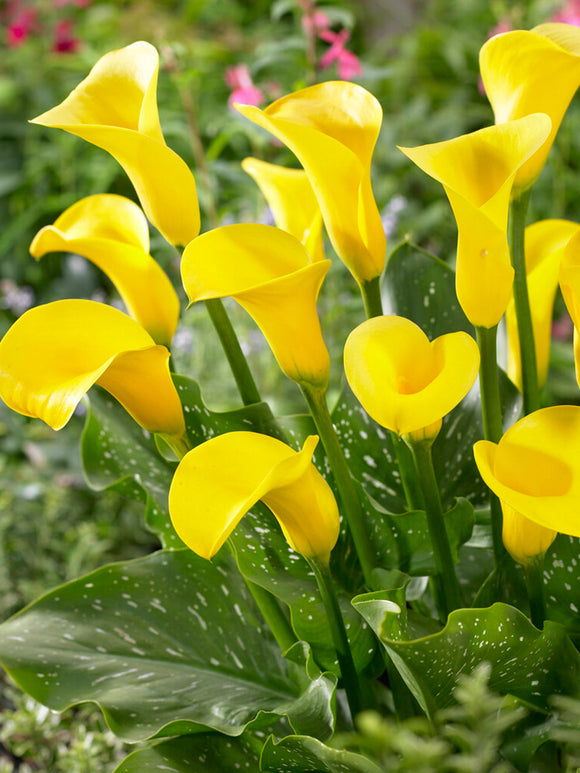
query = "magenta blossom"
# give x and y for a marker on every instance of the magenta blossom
(63, 41)
(314, 20)
(244, 92)
(20, 27)
(348, 64)
(569, 14)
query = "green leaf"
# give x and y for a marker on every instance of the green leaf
(204, 753)
(525, 662)
(164, 645)
(301, 754)
(562, 581)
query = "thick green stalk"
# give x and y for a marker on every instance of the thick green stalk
(535, 586)
(339, 637)
(448, 589)
(530, 388)
(408, 473)
(371, 295)
(316, 399)
(492, 420)
(268, 605)
(236, 358)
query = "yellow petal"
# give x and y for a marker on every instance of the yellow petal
(53, 354)
(270, 274)
(292, 202)
(535, 468)
(115, 108)
(545, 242)
(404, 381)
(206, 504)
(535, 71)
(570, 286)
(477, 171)
(332, 129)
(112, 232)
(524, 540)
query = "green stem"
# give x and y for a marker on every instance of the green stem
(268, 605)
(371, 295)
(408, 473)
(448, 587)
(530, 388)
(535, 587)
(236, 358)
(316, 399)
(339, 637)
(492, 421)
(273, 615)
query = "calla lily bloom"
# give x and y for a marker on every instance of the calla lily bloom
(270, 274)
(405, 382)
(332, 129)
(206, 504)
(477, 171)
(112, 232)
(292, 201)
(535, 472)
(545, 242)
(570, 286)
(115, 108)
(53, 354)
(536, 71)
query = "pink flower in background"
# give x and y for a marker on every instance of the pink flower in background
(348, 64)
(20, 27)
(313, 21)
(244, 92)
(64, 42)
(569, 14)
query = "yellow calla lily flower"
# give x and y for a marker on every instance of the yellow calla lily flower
(206, 505)
(53, 354)
(535, 472)
(290, 197)
(405, 382)
(112, 232)
(477, 171)
(270, 274)
(115, 108)
(570, 286)
(332, 129)
(545, 242)
(536, 71)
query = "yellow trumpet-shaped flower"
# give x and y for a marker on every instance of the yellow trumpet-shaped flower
(292, 201)
(115, 108)
(332, 129)
(217, 483)
(270, 274)
(535, 71)
(477, 171)
(544, 246)
(404, 381)
(53, 354)
(535, 472)
(570, 285)
(112, 232)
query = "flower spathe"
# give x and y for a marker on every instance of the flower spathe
(53, 354)
(292, 201)
(270, 274)
(477, 171)
(526, 72)
(570, 286)
(535, 472)
(544, 246)
(332, 129)
(112, 232)
(115, 108)
(405, 382)
(217, 483)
